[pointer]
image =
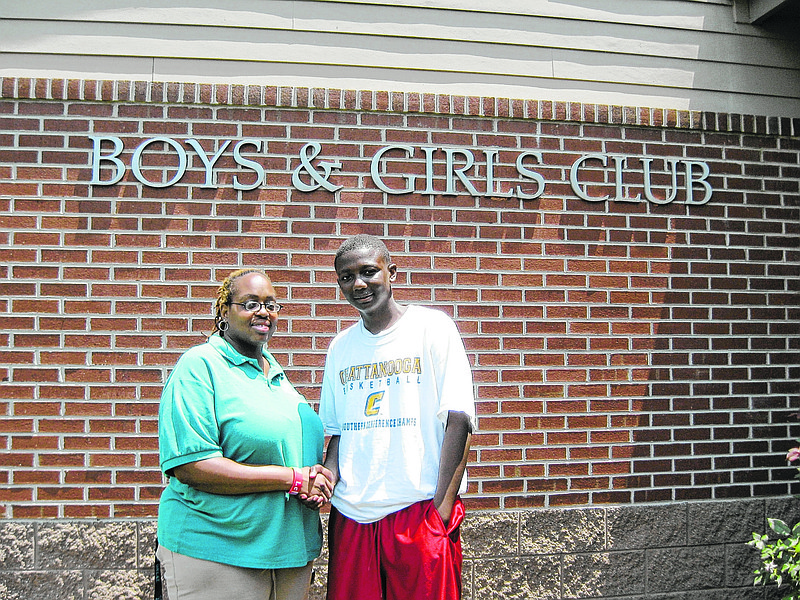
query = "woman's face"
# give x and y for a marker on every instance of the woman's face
(248, 331)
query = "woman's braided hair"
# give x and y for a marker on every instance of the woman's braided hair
(225, 294)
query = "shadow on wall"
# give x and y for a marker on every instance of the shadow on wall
(691, 309)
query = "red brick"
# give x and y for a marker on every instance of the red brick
(139, 510)
(86, 511)
(114, 494)
(36, 477)
(59, 494)
(34, 512)
(34, 442)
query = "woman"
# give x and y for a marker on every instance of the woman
(242, 450)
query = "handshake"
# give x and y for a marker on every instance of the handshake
(317, 487)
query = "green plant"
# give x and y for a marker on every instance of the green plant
(780, 558)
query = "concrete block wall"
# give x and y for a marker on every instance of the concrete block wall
(684, 550)
(76, 560)
(676, 551)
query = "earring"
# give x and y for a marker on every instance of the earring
(223, 325)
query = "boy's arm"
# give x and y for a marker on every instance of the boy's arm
(453, 462)
(332, 458)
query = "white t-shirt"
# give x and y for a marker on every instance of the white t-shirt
(387, 397)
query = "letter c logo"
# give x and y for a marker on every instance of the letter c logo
(373, 406)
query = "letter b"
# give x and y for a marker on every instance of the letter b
(97, 158)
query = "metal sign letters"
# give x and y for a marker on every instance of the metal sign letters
(446, 171)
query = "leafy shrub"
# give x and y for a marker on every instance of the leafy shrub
(780, 558)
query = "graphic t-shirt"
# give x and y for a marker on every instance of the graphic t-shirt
(387, 396)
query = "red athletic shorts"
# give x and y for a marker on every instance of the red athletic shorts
(407, 555)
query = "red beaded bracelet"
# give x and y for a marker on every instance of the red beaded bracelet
(297, 482)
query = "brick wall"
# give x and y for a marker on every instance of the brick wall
(623, 352)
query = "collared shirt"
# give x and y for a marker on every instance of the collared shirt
(217, 402)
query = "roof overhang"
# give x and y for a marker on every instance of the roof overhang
(758, 12)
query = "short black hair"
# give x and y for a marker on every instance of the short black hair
(362, 240)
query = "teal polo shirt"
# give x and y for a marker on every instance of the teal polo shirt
(217, 402)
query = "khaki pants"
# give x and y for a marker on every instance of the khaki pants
(189, 578)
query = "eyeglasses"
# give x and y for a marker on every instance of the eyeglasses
(255, 306)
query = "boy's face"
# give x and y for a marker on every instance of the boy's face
(366, 280)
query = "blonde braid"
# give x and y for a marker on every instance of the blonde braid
(225, 294)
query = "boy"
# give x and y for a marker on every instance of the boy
(398, 401)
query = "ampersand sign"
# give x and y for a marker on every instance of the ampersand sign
(308, 153)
